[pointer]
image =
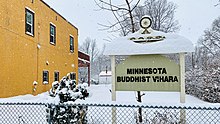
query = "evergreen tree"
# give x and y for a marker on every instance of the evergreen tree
(64, 92)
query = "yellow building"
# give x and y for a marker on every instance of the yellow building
(36, 44)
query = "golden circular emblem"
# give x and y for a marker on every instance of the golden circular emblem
(145, 22)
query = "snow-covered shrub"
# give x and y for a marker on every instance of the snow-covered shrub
(67, 114)
(204, 84)
(66, 91)
(165, 118)
(159, 117)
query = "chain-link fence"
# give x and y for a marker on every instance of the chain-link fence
(22, 113)
(32, 113)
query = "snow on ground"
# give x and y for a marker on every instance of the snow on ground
(41, 98)
(102, 94)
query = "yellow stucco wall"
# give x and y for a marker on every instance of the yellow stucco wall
(21, 62)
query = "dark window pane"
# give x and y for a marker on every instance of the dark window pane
(45, 76)
(28, 28)
(29, 18)
(51, 30)
(51, 39)
(72, 76)
(56, 76)
(71, 44)
(71, 48)
(71, 40)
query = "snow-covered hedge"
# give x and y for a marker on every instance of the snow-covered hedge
(63, 92)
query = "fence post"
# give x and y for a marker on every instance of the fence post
(182, 116)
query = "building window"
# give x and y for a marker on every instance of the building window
(72, 76)
(71, 44)
(29, 22)
(56, 76)
(52, 34)
(45, 77)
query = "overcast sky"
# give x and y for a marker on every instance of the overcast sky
(194, 16)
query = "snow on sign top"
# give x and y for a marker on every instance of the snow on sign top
(155, 42)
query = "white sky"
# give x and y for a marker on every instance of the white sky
(194, 16)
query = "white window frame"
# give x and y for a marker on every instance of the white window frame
(28, 10)
(54, 35)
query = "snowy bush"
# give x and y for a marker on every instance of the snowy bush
(159, 117)
(66, 114)
(165, 118)
(204, 84)
(66, 91)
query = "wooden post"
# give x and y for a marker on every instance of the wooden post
(113, 89)
(88, 65)
(182, 78)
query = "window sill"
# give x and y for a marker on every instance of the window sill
(30, 34)
(52, 43)
(45, 82)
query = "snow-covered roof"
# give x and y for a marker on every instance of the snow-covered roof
(172, 43)
(103, 73)
(83, 60)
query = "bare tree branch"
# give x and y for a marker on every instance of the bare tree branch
(102, 5)
(122, 13)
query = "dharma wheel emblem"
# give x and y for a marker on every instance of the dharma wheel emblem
(145, 24)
